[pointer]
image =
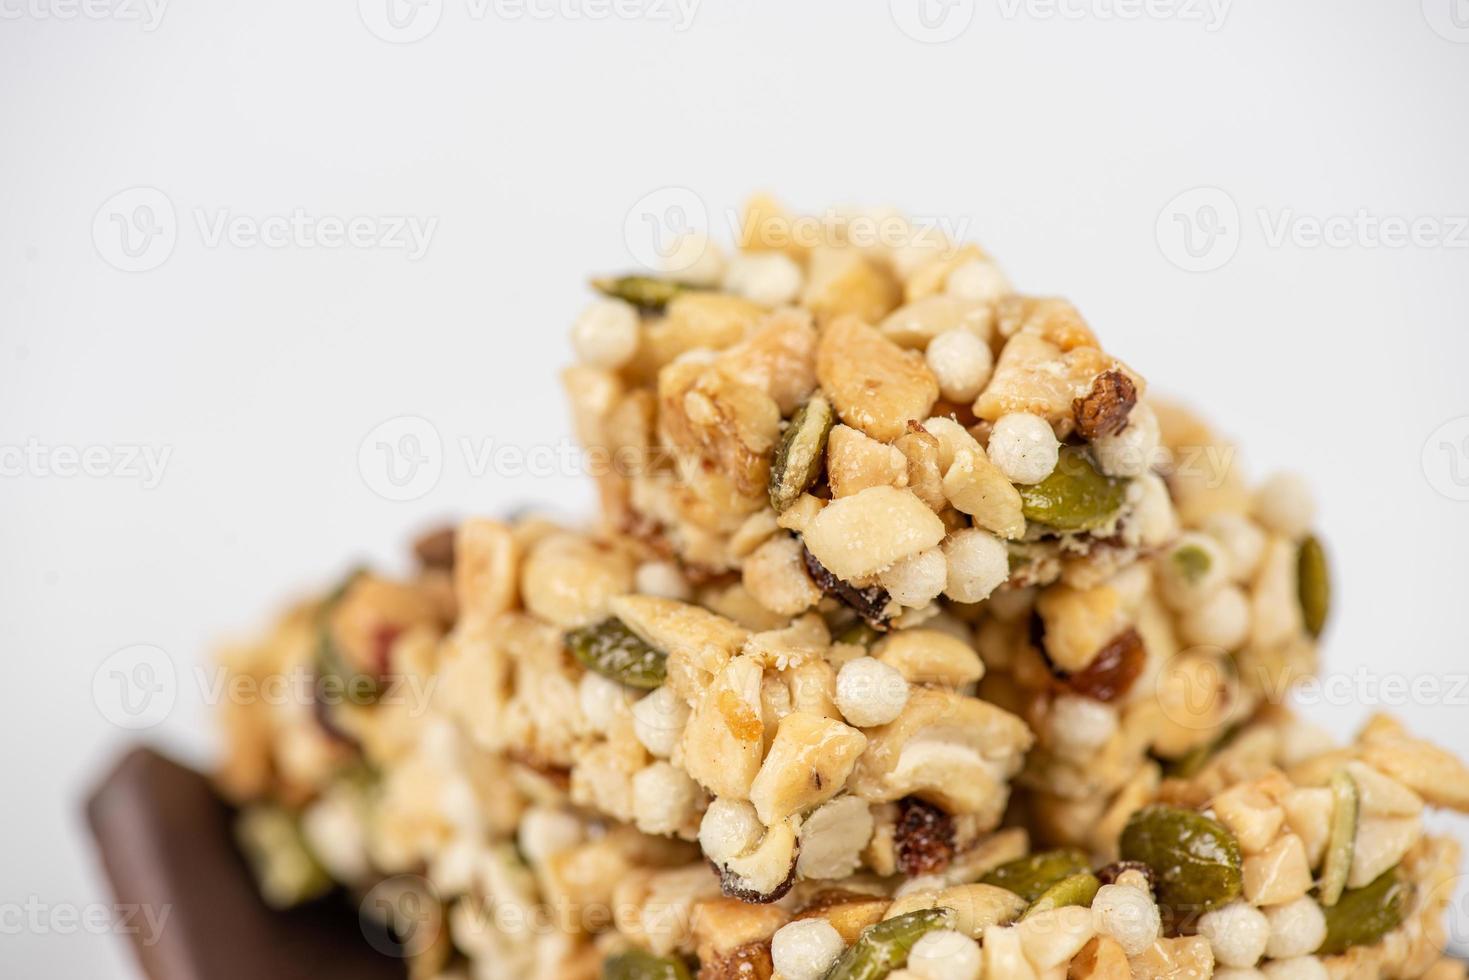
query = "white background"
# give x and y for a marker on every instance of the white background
(1060, 140)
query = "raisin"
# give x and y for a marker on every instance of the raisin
(1104, 409)
(924, 837)
(870, 603)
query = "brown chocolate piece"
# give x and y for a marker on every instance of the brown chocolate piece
(166, 842)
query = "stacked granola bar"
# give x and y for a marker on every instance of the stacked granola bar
(916, 639)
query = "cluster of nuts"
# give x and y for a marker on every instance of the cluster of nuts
(916, 641)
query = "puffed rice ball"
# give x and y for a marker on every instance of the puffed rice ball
(870, 693)
(917, 580)
(663, 798)
(1296, 928)
(1237, 932)
(945, 955)
(1284, 504)
(1128, 915)
(767, 278)
(1241, 539)
(1297, 968)
(979, 279)
(658, 720)
(729, 829)
(806, 949)
(695, 259)
(1132, 451)
(1080, 726)
(545, 831)
(606, 333)
(961, 363)
(662, 579)
(978, 564)
(602, 700)
(1222, 620)
(1024, 447)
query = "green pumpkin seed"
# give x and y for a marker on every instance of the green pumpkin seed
(884, 947)
(1195, 860)
(800, 453)
(1364, 915)
(638, 965)
(1192, 562)
(285, 870)
(1077, 889)
(1030, 876)
(646, 292)
(1075, 497)
(613, 650)
(1313, 585)
(1341, 842)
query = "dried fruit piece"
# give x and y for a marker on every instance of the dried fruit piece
(798, 457)
(611, 649)
(1103, 410)
(638, 965)
(1075, 497)
(1030, 876)
(923, 837)
(1341, 843)
(884, 947)
(1112, 671)
(1077, 889)
(1364, 915)
(436, 548)
(647, 292)
(870, 603)
(1313, 584)
(1196, 861)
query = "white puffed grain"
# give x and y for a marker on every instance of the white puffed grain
(961, 363)
(870, 693)
(1023, 447)
(606, 333)
(806, 949)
